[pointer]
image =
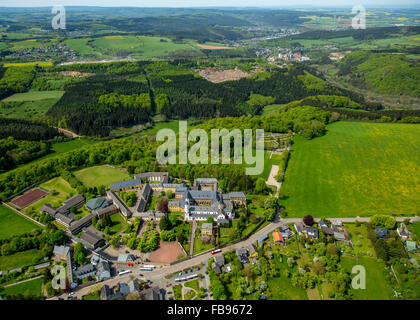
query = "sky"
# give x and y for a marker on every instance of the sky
(207, 3)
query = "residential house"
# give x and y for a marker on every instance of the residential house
(252, 251)
(311, 233)
(216, 269)
(219, 260)
(327, 231)
(153, 293)
(277, 237)
(299, 227)
(242, 254)
(285, 231)
(261, 240)
(323, 224)
(382, 233)
(403, 232)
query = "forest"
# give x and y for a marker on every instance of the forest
(21, 129)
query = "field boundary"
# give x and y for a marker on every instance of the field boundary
(23, 215)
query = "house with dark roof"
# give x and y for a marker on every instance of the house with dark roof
(216, 268)
(153, 293)
(76, 201)
(311, 233)
(61, 252)
(323, 224)
(381, 233)
(206, 183)
(85, 271)
(285, 231)
(64, 220)
(78, 225)
(327, 231)
(242, 255)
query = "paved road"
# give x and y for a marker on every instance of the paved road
(158, 275)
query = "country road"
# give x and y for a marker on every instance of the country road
(158, 275)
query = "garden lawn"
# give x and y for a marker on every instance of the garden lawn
(18, 260)
(35, 96)
(101, 175)
(33, 287)
(178, 292)
(12, 224)
(416, 227)
(377, 285)
(356, 169)
(199, 246)
(118, 224)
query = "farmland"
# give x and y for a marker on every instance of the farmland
(356, 169)
(29, 105)
(13, 224)
(101, 175)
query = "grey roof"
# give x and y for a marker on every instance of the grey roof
(125, 184)
(145, 191)
(119, 203)
(97, 203)
(241, 251)
(219, 260)
(103, 269)
(381, 233)
(205, 181)
(339, 236)
(312, 232)
(91, 238)
(61, 250)
(141, 205)
(207, 226)
(85, 269)
(150, 294)
(124, 288)
(105, 210)
(162, 176)
(73, 201)
(299, 226)
(49, 209)
(323, 223)
(63, 218)
(237, 195)
(125, 257)
(327, 231)
(79, 224)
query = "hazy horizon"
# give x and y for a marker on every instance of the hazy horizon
(210, 3)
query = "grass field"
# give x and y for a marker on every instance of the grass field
(33, 287)
(29, 105)
(35, 96)
(18, 260)
(63, 189)
(377, 286)
(416, 227)
(356, 169)
(101, 175)
(13, 224)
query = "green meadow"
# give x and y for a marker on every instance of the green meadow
(356, 169)
(377, 284)
(18, 259)
(12, 224)
(101, 175)
(33, 287)
(29, 105)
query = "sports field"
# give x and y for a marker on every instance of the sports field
(356, 169)
(13, 224)
(29, 197)
(59, 190)
(101, 175)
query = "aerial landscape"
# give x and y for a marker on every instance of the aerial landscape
(129, 170)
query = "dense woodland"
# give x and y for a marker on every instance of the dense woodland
(26, 130)
(14, 152)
